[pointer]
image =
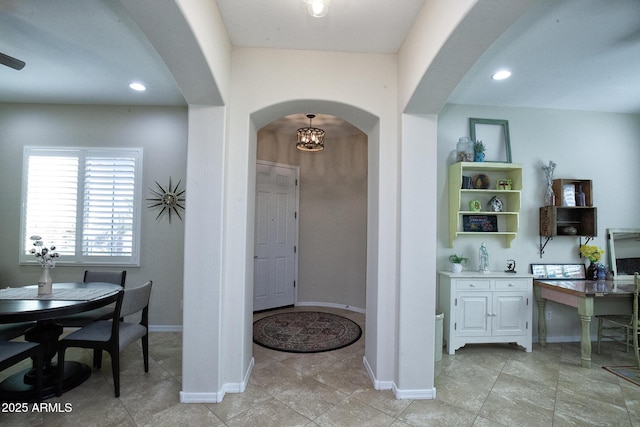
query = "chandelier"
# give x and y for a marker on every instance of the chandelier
(310, 138)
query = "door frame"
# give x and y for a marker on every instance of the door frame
(296, 227)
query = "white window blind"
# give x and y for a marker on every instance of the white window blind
(52, 200)
(86, 202)
(109, 197)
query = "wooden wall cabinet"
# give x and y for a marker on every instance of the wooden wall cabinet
(486, 308)
(558, 189)
(558, 221)
(459, 198)
(563, 220)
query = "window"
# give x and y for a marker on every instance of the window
(86, 202)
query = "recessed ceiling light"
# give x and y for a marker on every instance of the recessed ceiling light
(137, 86)
(317, 8)
(501, 75)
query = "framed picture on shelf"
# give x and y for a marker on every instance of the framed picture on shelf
(568, 195)
(480, 223)
(494, 134)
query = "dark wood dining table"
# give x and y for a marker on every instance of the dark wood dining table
(24, 304)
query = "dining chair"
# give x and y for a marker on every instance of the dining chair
(622, 328)
(113, 335)
(12, 352)
(9, 331)
(103, 313)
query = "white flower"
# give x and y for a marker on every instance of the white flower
(46, 256)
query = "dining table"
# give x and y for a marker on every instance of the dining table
(589, 297)
(23, 304)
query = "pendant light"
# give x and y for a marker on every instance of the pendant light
(310, 138)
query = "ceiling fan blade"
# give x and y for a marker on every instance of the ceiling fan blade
(12, 62)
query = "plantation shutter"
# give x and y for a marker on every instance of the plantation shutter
(86, 202)
(108, 211)
(52, 194)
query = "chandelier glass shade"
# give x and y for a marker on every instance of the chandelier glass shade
(310, 138)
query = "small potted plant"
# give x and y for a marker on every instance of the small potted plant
(457, 261)
(478, 150)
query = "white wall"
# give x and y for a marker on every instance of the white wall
(332, 250)
(264, 82)
(602, 147)
(161, 132)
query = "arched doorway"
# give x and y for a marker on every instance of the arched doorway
(368, 124)
(330, 218)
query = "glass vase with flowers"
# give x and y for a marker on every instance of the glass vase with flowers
(594, 254)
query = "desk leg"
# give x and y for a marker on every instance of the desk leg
(542, 322)
(585, 310)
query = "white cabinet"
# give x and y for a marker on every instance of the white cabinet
(485, 308)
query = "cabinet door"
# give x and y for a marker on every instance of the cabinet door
(472, 314)
(509, 313)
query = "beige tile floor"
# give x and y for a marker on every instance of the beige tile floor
(481, 385)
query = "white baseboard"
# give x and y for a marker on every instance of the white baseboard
(426, 394)
(378, 385)
(331, 305)
(399, 393)
(216, 397)
(187, 397)
(165, 328)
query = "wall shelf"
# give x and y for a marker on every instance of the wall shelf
(576, 221)
(459, 198)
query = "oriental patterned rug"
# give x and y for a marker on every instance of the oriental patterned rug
(629, 373)
(305, 332)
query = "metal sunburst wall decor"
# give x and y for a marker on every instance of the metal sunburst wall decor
(168, 199)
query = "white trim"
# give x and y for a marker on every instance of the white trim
(332, 305)
(390, 385)
(218, 396)
(201, 397)
(415, 394)
(165, 328)
(378, 385)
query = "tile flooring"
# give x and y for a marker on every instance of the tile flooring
(482, 385)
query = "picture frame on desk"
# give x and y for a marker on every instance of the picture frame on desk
(480, 223)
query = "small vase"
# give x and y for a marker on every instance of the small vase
(478, 157)
(549, 197)
(456, 267)
(592, 271)
(44, 283)
(601, 272)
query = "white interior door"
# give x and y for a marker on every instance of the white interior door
(275, 259)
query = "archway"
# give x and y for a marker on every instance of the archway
(368, 124)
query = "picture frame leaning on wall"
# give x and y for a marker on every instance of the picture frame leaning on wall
(494, 134)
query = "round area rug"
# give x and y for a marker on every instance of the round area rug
(305, 332)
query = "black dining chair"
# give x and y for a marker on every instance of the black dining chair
(622, 328)
(82, 319)
(113, 335)
(12, 352)
(9, 331)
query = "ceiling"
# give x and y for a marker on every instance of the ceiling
(569, 54)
